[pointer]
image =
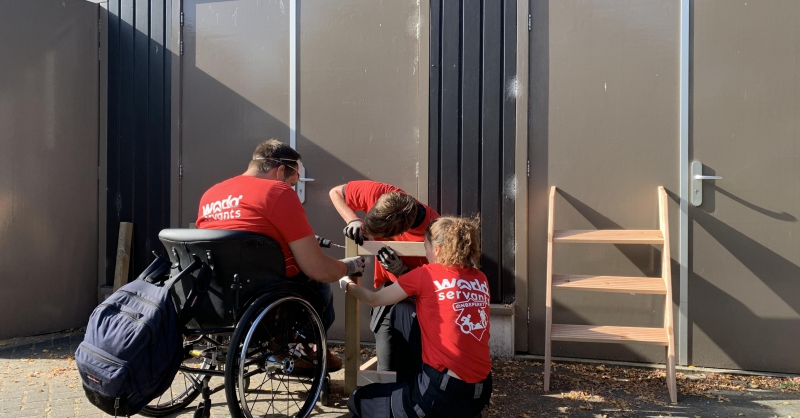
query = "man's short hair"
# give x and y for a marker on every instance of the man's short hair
(393, 214)
(273, 153)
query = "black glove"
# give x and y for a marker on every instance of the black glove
(353, 231)
(323, 242)
(391, 261)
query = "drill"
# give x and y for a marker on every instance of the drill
(326, 243)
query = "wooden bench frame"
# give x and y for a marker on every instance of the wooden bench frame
(356, 375)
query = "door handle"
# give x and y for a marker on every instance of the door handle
(697, 182)
(300, 187)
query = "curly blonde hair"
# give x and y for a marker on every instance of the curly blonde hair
(459, 240)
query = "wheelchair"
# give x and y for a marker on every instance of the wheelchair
(258, 330)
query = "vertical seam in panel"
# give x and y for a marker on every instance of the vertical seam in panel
(293, 74)
(683, 316)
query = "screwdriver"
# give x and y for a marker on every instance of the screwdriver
(326, 243)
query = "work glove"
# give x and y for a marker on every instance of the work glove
(355, 265)
(343, 282)
(391, 261)
(353, 231)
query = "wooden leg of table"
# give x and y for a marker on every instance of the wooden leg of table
(352, 331)
(352, 344)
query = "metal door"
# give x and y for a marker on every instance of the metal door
(744, 281)
(49, 118)
(357, 98)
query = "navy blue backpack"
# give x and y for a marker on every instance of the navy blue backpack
(133, 345)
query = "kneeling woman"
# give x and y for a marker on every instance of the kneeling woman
(452, 298)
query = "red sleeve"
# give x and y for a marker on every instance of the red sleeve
(362, 194)
(411, 281)
(289, 217)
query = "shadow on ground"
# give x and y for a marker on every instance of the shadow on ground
(596, 390)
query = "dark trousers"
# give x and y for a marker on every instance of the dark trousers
(432, 394)
(324, 293)
(397, 339)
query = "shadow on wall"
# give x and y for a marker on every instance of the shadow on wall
(719, 307)
(221, 127)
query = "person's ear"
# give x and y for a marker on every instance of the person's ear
(436, 250)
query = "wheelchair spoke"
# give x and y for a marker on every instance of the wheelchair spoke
(281, 340)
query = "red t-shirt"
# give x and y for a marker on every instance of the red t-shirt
(362, 195)
(267, 207)
(453, 313)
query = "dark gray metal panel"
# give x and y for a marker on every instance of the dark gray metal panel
(434, 105)
(138, 146)
(509, 192)
(476, 126)
(744, 292)
(604, 129)
(358, 106)
(469, 176)
(450, 111)
(140, 249)
(491, 102)
(48, 164)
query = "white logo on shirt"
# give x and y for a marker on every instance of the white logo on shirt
(470, 300)
(222, 209)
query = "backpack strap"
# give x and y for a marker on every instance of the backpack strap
(197, 295)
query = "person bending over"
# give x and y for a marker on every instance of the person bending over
(262, 201)
(452, 298)
(391, 214)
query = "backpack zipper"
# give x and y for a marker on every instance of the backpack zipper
(146, 325)
(147, 301)
(102, 357)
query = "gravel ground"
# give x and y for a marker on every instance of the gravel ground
(38, 379)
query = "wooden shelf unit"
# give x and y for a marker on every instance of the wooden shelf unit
(640, 285)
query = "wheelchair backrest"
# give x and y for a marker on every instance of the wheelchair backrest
(244, 265)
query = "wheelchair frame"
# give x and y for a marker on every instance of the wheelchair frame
(254, 344)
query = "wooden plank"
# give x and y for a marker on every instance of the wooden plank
(609, 236)
(607, 334)
(469, 188)
(123, 254)
(407, 249)
(352, 329)
(371, 364)
(548, 301)
(367, 377)
(666, 275)
(611, 284)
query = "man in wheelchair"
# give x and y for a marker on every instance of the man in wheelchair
(261, 200)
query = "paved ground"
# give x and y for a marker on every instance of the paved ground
(38, 379)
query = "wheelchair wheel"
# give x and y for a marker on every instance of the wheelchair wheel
(186, 386)
(276, 362)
